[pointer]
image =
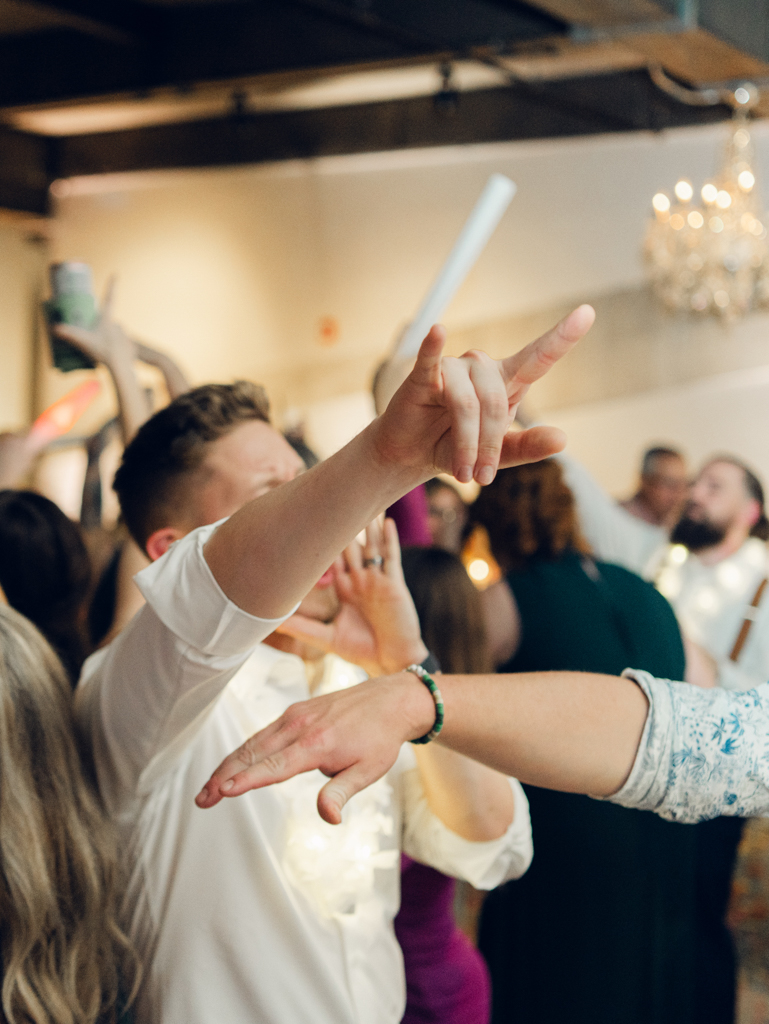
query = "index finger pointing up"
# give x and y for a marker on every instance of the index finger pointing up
(533, 362)
(427, 369)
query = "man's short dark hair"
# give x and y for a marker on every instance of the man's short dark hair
(171, 446)
(652, 455)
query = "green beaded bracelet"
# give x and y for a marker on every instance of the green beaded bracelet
(430, 683)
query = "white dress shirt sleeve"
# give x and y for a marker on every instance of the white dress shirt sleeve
(613, 534)
(483, 865)
(168, 666)
(703, 753)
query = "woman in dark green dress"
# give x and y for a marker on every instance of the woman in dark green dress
(602, 929)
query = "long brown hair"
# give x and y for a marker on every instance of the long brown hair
(529, 512)
(449, 610)
(64, 957)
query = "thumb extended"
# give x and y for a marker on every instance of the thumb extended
(338, 791)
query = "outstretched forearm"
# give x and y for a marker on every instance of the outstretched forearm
(685, 753)
(472, 800)
(450, 415)
(272, 551)
(562, 730)
(570, 731)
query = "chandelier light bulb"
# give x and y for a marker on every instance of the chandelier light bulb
(709, 192)
(741, 138)
(661, 203)
(684, 190)
(710, 255)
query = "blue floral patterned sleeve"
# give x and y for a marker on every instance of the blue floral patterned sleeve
(703, 753)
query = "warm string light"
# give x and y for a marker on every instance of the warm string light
(712, 256)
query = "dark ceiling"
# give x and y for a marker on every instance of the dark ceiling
(96, 86)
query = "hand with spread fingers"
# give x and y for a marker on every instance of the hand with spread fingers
(460, 410)
(377, 625)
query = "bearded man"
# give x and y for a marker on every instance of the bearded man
(713, 568)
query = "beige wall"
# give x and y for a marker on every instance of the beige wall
(233, 269)
(635, 346)
(22, 267)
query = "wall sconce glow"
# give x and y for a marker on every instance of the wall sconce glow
(478, 570)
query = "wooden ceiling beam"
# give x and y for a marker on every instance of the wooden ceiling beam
(25, 172)
(577, 107)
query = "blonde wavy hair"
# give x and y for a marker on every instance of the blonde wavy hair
(65, 959)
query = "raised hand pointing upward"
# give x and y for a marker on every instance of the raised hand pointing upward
(452, 415)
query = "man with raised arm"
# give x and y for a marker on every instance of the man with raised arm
(223, 906)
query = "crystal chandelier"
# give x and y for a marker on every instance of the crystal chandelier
(712, 256)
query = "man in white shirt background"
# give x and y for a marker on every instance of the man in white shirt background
(242, 916)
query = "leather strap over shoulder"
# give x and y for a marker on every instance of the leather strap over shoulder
(750, 617)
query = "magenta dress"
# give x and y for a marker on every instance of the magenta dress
(410, 515)
(447, 981)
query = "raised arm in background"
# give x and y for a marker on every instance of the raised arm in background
(108, 343)
(18, 451)
(614, 535)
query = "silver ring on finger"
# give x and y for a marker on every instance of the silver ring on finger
(376, 560)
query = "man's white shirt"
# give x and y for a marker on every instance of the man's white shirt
(255, 911)
(711, 602)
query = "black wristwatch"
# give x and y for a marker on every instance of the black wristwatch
(431, 663)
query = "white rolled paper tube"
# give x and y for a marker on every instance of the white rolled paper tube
(478, 229)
